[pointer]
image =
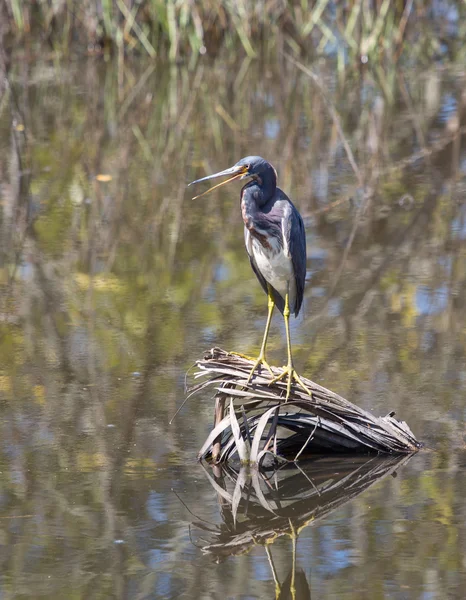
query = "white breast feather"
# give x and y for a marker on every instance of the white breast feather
(275, 265)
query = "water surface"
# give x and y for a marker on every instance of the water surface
(113, 281)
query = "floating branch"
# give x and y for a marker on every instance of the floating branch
(260, 423)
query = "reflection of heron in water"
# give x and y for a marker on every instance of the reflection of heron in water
(295, 586)
(255, 513)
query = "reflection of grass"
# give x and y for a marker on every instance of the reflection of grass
(182, 27)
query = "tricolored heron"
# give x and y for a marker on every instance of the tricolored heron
(276, 244)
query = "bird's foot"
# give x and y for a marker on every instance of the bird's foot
(259, 361)
(292, 374)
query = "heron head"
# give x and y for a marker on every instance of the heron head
(258, 168)
(250, 166)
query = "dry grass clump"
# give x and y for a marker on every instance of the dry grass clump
(259, 423)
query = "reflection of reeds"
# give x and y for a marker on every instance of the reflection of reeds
(368, 30)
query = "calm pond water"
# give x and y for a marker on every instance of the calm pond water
(113, 281)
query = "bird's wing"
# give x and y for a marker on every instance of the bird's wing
(294, 236)
(248, 242)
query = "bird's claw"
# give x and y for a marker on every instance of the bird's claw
(292, 374)
(259, 361)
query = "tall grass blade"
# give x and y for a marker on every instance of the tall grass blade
(17, 10)
(258, 433)
(259, 493)
(315, 17)
(240, 483)
(241, 444)
(136, 28)
(221, 427)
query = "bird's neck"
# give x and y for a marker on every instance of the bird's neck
(253, 199)
(257, 193)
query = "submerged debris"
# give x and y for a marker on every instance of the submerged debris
(260, 423)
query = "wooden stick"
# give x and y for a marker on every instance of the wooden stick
(219, 413)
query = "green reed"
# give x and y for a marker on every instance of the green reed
(183, 28)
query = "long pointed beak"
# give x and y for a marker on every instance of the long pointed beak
(235, 172)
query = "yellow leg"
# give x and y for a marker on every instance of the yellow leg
(289, 369)
(261, 360)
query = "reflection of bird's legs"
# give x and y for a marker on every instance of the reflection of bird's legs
(289, 369)
(274, 572)
(293, 566)
(261, 358)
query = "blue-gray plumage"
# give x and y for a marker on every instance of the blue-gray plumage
(274, 235)
(276, 244)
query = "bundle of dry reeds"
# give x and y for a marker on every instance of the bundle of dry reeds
(260, 423)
